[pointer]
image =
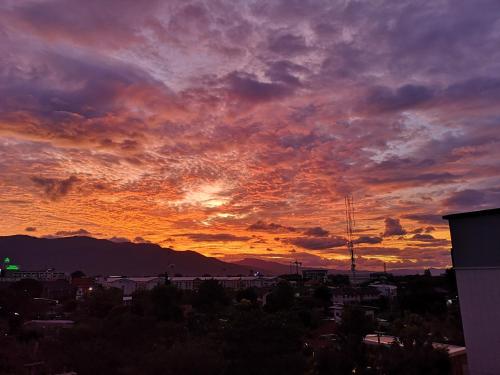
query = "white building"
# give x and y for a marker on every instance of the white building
(348, 295)
(475, 255)
(386, 290)
(337, 310)
(236, 282)
(43, 275)
(131, 284)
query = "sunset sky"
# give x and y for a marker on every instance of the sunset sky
(236, 128)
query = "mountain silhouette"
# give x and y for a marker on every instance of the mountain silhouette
(103, 257)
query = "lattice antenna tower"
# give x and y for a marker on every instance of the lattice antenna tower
(350, 223)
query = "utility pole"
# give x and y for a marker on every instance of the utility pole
(350, 223)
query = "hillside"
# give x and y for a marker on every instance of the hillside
(102, 257)
(264, 266)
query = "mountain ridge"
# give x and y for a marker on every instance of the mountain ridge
(104, 257)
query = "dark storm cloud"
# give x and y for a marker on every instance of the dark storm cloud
(30, 229)
(54, 188)
(393, 228)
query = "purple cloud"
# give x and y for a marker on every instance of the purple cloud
(393, 228)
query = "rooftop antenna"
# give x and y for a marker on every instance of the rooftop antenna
(297, 264)
(350, 223)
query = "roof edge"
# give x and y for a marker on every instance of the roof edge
(491, 211)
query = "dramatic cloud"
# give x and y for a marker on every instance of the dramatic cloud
(238, 122)
(425, 218)
(368, 240)
(53, 188)
(393, 228)
(270, 227)
(70, 233)
(317, 243)
(475, 199)
(316, 232)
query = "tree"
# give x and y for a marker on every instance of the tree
(323, 295)
(257, 343)
(281, 298)
(77, 274)
(249, 294)
(29, 287)
(166, 302)
(210, 296)
(348, 354)
(102, 300)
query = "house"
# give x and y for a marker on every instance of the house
(82, 286)
(457, 354)
(386, 290)
(129, 285)
(348, 295)
(315, 274)
(337, 310)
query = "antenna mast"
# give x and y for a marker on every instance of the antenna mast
(297, 265)
(350, 223)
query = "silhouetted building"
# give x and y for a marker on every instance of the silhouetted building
(316, 274)
(387, 290)
(83, 286)
(475, 254)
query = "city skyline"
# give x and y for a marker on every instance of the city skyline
(236, 129)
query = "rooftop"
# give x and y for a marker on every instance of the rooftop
(492, 211)
(387, 340)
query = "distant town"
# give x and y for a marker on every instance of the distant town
(307, 321)
(50, 304)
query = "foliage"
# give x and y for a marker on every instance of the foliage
(211, 296)
(281, 298)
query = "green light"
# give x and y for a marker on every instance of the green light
(6, 260)
(12, 267)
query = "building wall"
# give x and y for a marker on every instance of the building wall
(479, 294)
(475, 239)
